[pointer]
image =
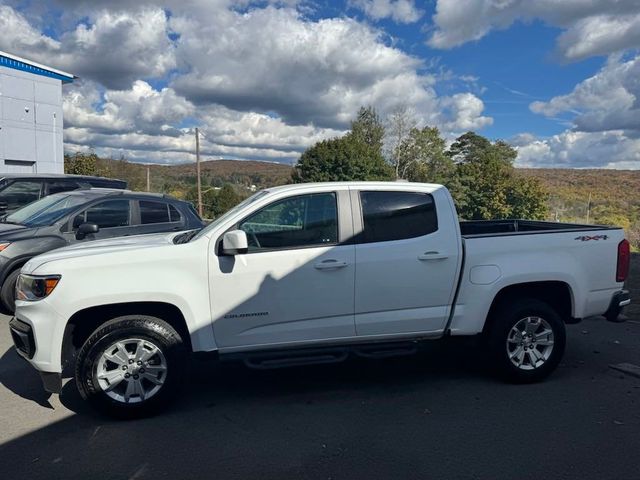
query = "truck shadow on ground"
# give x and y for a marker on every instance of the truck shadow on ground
(210, 383)
(393, 418)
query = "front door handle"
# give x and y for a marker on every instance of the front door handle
(330, 264)
(433, 256)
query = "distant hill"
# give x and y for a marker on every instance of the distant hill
(215, 173)
(615, 194)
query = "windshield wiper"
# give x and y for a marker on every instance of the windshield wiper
(185, 237)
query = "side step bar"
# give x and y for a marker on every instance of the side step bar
(271, 359)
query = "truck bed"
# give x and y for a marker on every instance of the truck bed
(492, 228)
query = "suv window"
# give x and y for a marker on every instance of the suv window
(108, 214)
(174, 214)
(153, 212)
(397, 215)
(57, 186)
(302, 221)
(20, 192)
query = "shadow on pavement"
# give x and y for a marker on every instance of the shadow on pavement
(437, 414)
(17, 376)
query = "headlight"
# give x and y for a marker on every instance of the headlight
(35, 287)
(4, 245)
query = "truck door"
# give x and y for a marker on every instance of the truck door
(407, 262)
(296, 282)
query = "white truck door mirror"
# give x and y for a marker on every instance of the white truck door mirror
(234, 243)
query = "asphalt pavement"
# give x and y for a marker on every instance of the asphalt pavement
(438, 414)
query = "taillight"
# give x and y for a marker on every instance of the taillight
(624, 256)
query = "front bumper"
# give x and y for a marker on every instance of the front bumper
(619, 300)
(24, 341)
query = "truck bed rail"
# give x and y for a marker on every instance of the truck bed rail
(490, 228)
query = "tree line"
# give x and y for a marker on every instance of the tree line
(479, 173)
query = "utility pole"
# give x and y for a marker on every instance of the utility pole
(588, 208)
(148, 180)
(198, 172)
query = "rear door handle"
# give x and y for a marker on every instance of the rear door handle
(330, 264)
(433, 256)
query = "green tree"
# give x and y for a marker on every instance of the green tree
(355, 156)
(488, 185)
(422, 157)
(82, 164)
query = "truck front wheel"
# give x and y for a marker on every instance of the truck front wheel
(131, 366)
(526, 340)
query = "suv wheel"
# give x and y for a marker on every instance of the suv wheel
(526, 340)
(8, 291)
(131, 366)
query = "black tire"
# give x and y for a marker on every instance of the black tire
(8, 291)
(504, 320)
(149, 329)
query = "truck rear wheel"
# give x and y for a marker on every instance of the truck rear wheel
(526, 340)
(131, 366)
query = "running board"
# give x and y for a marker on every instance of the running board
(267, 359)
(295, 358)
(386, 350)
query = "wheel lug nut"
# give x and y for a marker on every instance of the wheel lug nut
(127, 375)
(139, 362)
(142, 370)
(135, 377)
(124, 367)
(130, 360)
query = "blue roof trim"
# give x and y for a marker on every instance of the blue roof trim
(25, 67)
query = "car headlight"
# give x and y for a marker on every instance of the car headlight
(4, 245)
(35, 287)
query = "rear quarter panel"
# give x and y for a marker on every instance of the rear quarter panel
(584, 260)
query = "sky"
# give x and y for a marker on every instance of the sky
(266, 79)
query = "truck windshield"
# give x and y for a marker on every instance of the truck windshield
(222, 218)
(46, 211)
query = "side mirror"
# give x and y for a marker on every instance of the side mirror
(234, 243)
(86, 229)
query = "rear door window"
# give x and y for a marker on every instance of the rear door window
(391, 216)
(153, 212)
(107, 214)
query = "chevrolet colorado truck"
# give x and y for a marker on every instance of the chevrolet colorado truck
(311, 273)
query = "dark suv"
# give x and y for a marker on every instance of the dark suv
(66, 218)
(16, 191)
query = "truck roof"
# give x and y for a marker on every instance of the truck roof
(310, 186)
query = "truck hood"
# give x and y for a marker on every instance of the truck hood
(100, 247)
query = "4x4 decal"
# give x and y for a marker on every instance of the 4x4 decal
(586, 238)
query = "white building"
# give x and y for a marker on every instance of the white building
(30, 116)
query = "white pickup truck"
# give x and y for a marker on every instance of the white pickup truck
(312, 273)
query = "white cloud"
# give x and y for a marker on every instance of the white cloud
(261, 79)
(465, 113)
(138, 109)
(613, 149)
(400, 11)
(274, 60)
(20, 37)
(610, 100)
(114, 48)
(592, 27)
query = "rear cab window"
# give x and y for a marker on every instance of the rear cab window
(396, 215)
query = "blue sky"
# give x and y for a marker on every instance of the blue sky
(265, 79)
